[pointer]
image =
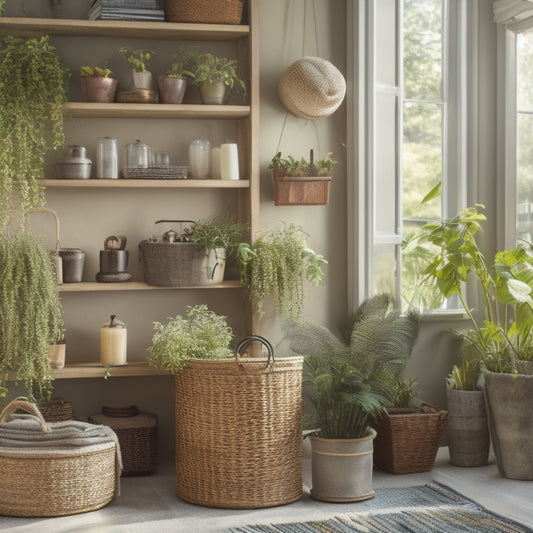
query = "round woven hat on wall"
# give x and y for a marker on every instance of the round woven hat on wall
(312, 88)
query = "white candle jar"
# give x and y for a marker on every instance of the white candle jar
(113, 342)
(229, 161)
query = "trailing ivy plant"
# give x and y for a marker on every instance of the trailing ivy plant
(33, 89)
(277, 266)
(32, 314)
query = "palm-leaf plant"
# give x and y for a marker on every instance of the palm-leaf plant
(32, 314)
(33, 89)
(276, 266)
(348, 380)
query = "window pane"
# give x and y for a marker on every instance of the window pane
(421, 158)
(422, 45)
(524, 67)
(385, 269)
(524, 177)
(386, 42)
(385, 162)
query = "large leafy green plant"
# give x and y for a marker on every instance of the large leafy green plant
(352, 379)
(277, 266)
(32, 314)
(33, 89)
(209, 68)
(503, 331)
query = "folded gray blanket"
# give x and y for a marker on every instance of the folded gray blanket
(25, 431)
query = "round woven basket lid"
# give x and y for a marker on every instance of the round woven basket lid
(312, 88)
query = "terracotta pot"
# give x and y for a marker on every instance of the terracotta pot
(98, 89)
(171, 90)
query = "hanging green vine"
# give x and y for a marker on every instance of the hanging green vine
(32, 314)
(277, 265)
(33, 89)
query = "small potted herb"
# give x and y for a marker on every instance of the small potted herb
(173, 83)
(98, 84)
(139, 61)
(301, 182)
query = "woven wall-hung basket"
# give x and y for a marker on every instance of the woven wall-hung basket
(53, 480)
(239, 431)
(408, 443)
(204, 11)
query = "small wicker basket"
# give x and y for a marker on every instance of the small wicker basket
(137, 434)
(57, 410)
(408, 442)
(54, 481)
(239, 431)
(204, 11)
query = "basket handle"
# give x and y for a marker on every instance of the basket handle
(247, 340)
(24, 405)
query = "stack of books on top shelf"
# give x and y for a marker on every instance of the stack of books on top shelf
(126, 10)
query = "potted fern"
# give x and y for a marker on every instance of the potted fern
(277, 266)
(346, 379)
(301, 182)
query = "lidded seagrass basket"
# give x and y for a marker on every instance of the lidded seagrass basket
(59, 476)
(137, 434)
(239, 430)
(204, 11)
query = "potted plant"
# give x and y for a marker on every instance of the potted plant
(501, 335)
(299, 182)
(173, 83)
(32, 95)
(277, 266)
(139, 61)
(346, 380)
(98, 84)
(32, 314)
(468, 430)
(214, 75)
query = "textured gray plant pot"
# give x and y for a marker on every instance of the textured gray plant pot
(509, 403)
(341, 469)
(213, 93)
(171, 90)
(73, 260)
(468, 430)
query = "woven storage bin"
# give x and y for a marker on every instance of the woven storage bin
(239, 431)
(137, 434)
(301, 191)
(204, 11)
(57, 410)
(408, 443)
(55, 481)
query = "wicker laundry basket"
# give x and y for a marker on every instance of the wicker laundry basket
(239, 430)
(137, 434)
(51, 480)
(204, 11)
(408, 442)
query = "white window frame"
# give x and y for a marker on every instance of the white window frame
(360, 128)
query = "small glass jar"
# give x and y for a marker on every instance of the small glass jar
(137, 155)
(199, 157)
(107, 158)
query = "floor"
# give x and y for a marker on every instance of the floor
(150, 503)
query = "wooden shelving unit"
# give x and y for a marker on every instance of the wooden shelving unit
(97, 370)
(90, 286)
(146, 184)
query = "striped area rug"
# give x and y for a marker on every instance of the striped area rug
(431, 508)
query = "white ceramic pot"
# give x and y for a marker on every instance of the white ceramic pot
(142, 80)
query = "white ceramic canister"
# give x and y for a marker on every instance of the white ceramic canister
(113, 342)
(199, 157)
(229, 161)
(107, 158)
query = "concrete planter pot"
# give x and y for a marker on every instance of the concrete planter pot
(342, 468)
(468, 430)
(142, 80)
(509, 403)
(213, 93)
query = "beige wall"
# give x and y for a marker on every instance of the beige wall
(87, 217)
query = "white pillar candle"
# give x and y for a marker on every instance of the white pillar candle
(113, 343)
(215, 163)
(229, 161)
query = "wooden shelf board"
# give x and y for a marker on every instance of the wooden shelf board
(93, 286)
(163, 111)
(148, 184)
(97, 370)
(121, 28)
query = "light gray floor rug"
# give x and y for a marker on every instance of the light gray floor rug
(433, 507)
